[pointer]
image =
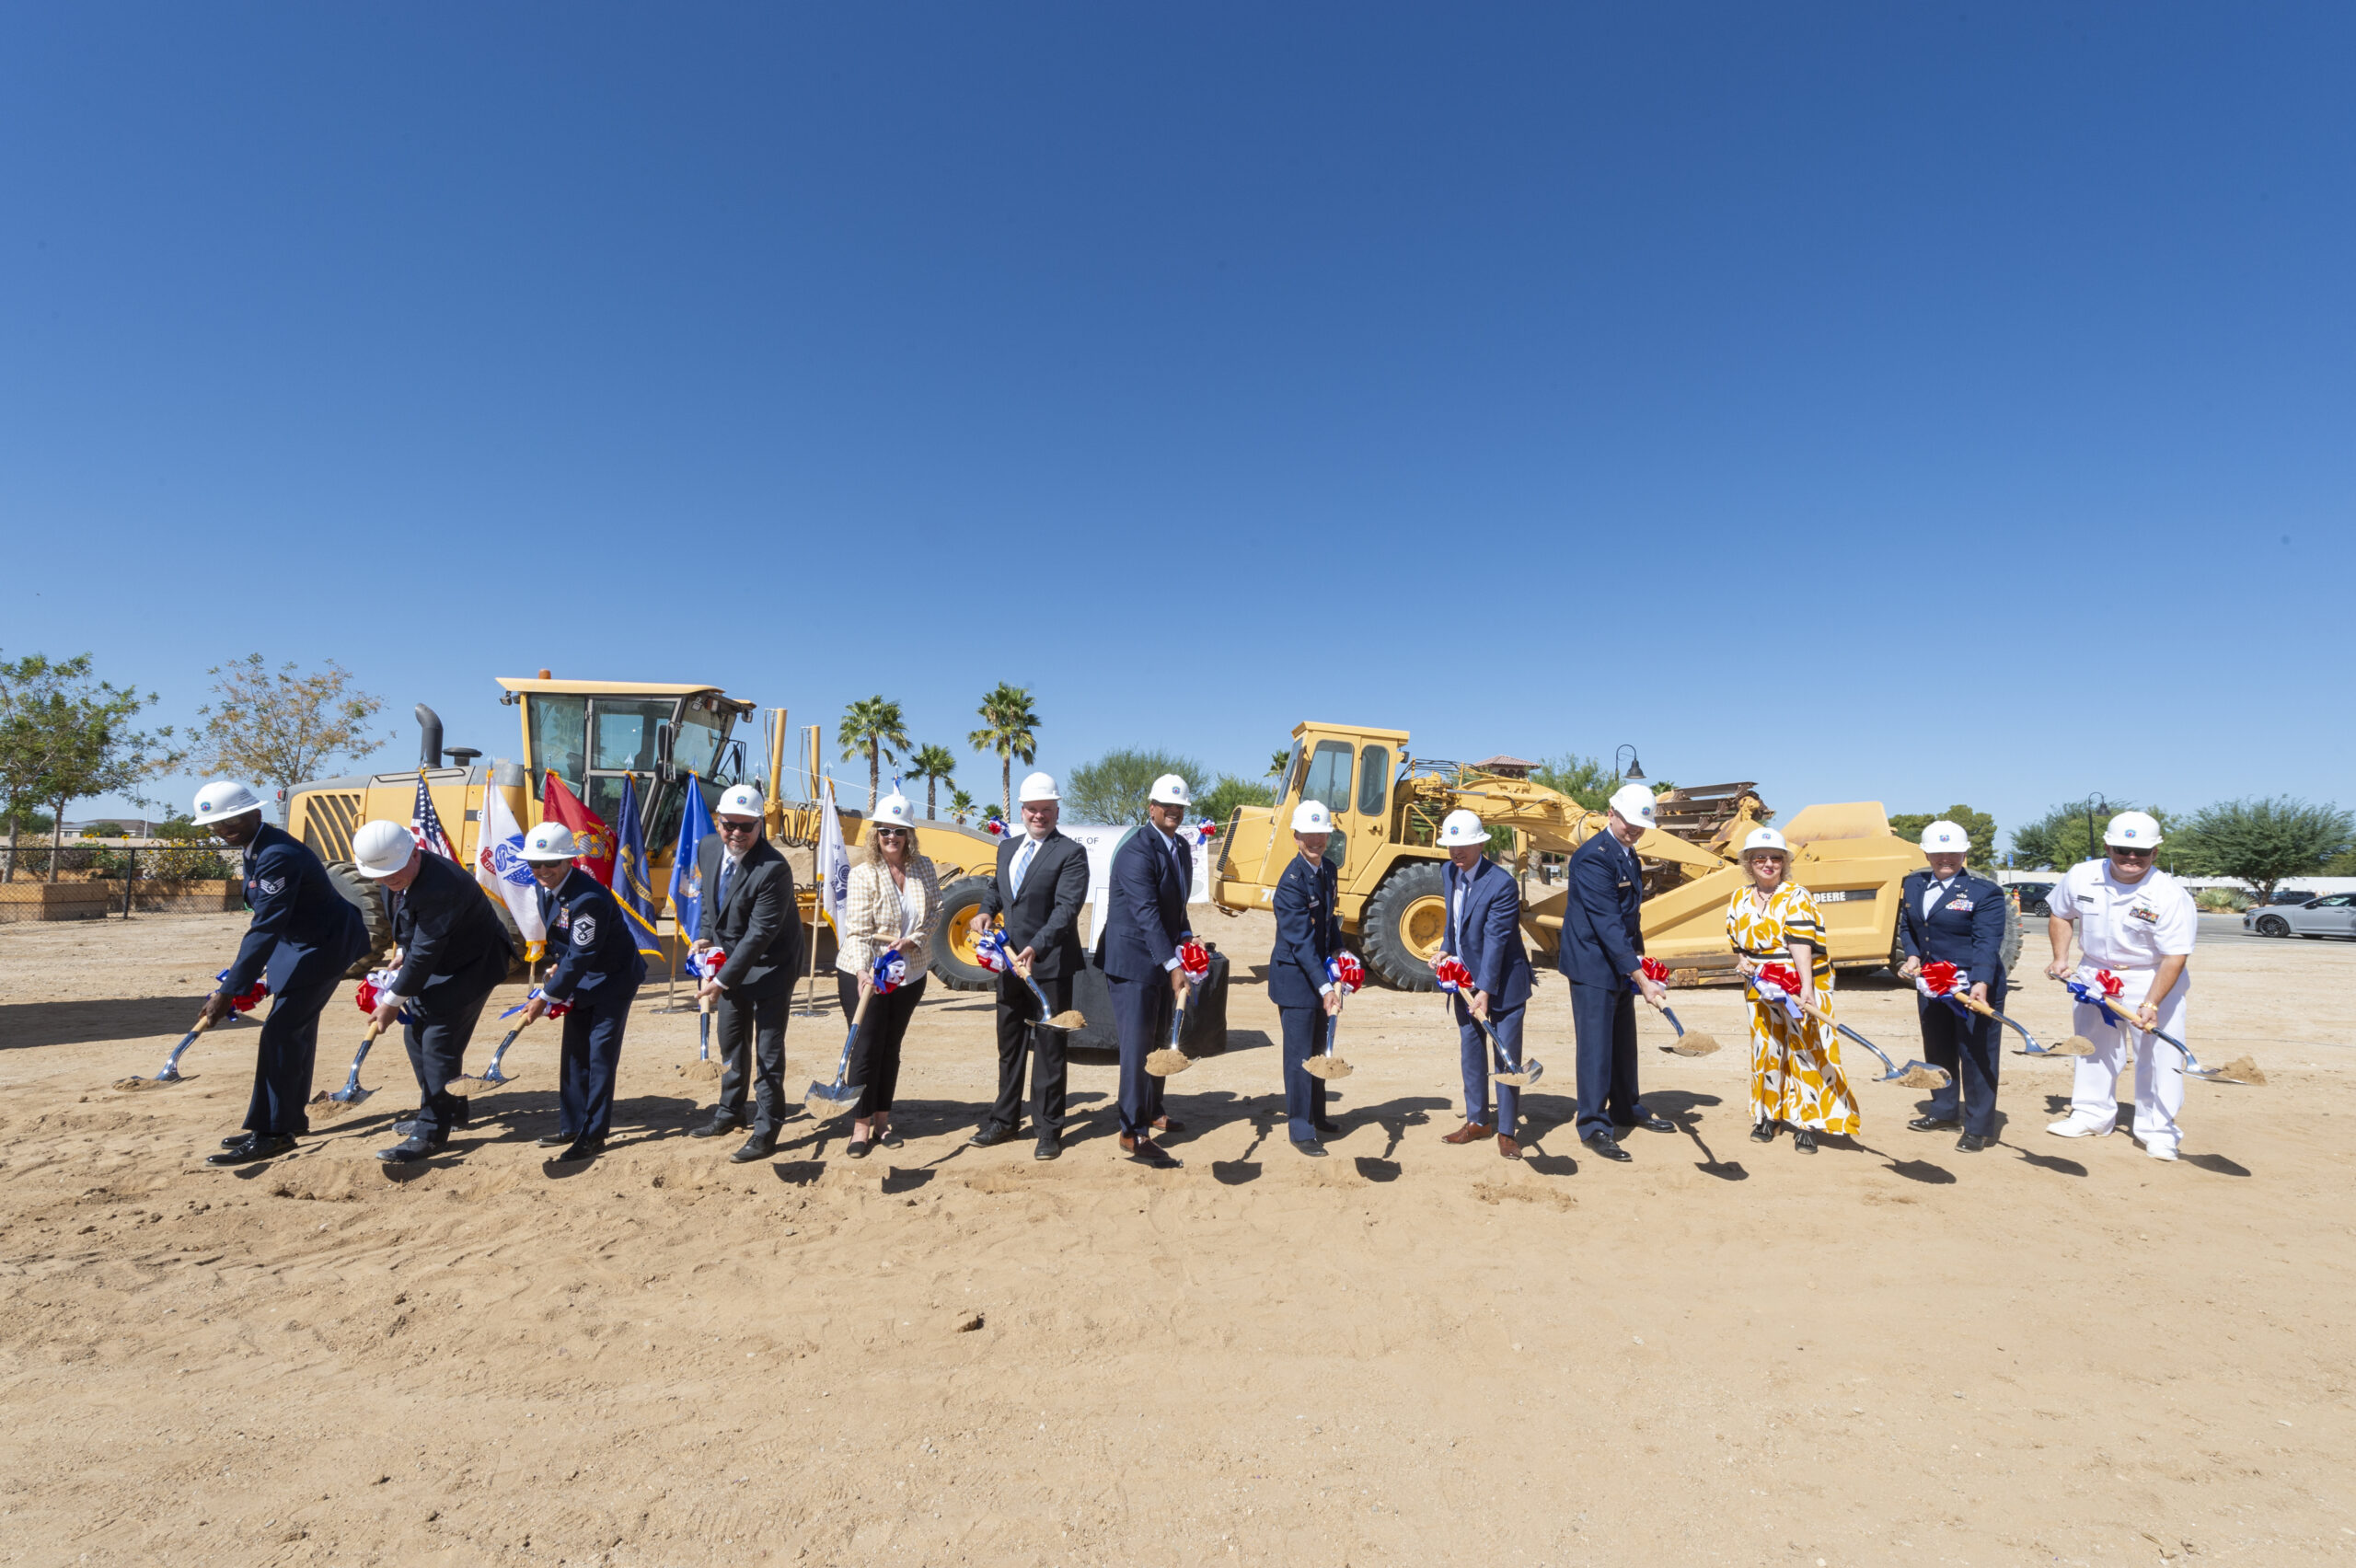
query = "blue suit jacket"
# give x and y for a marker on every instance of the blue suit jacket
(1144, 917)
(1603, 934)
(303, 932)
(1488, 938)
(1308, 931)
(1972, 939)
(592, 953)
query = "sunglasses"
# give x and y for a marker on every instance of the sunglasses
(2126, 853)
(740, 827)
(890, 832)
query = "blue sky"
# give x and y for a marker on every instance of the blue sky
(1921, 403)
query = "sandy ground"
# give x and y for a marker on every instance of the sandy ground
(1889, 1352)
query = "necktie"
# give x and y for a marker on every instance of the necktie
(1022, 863)
(727, 868)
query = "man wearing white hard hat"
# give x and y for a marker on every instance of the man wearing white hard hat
(1602, 956)
(1145, 924)
(749, 914)
(303, 936)
(1308, 934)
(452, 950)
(1041, 884)
(1484, 935)
(1946, 915)
(594, 968)
(2136, 921)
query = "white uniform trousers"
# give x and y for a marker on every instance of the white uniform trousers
(2159, 1066)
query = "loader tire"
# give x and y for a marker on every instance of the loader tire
(2009, 955)
(375, 914)
(952, 937)
(1404, 925)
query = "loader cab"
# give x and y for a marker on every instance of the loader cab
(594, 734)
(1353, 771)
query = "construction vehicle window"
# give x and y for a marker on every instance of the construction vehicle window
(1374, 780)
(559, 738)
(1291, 777)
(603, 796)
(626, 734)
(698, 742)
(1329, 776)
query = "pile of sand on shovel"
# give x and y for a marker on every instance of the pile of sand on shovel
(1166, 1063)
(1919, 1077)
(1327, 1067)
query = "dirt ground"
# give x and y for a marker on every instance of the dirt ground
(1889, 1352)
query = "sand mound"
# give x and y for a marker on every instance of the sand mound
(701, 1071)
(2243, 1069)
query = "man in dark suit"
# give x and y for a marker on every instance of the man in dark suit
(749, 914)
(1145, 924)
(1484, 935)
(453, 951)
(1309, 933)
(1041, 883)
(1947, 914)
(304, 934)
(1603, 953)
(595, 969)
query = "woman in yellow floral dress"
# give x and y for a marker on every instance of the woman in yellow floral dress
(1795, 1077)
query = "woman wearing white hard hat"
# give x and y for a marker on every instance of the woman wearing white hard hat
(1309, 933)
(1795, 1077)
(303, 936)
(1484, 934)
(2136, 921)
(749, 916)
(1946, 915)
(888, 912)
(596, 966)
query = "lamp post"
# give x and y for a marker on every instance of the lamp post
(2094, 849)
(1634, 771)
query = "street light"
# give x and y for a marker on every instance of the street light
(2093, 850)
(1634, 771)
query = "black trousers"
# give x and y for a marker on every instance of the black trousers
(1968, 1049)
(1017, 1010)
(592, 1054)
(283, 1062)
(1304, 1095)
(1606, 1022)
(437, 1037)
(752, 1053)
(1141, 1013)
(876, 1053)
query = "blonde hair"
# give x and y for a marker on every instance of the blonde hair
(874, 846)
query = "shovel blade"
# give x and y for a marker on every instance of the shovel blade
(1168, 1063)
(1070, 1018)
(1693, 1044)
(1922, 1075)
(351, 1094)
(1326, 1067)
(1530, 1073)
(830, 1099)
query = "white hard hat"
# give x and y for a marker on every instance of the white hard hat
(550, 841)
(739, 799)
(894, 810)
(1171, 790)
(381, 848)
(1311, 816)
(1038, 787)
(224, 799)
(1763, 838)
(1634, 804)
(1461, 827)
(1944, 837)
(2132, 830)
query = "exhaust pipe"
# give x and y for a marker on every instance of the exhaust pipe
(429, 737)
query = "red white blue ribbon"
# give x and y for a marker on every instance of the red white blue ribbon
(709, 964)
(371, 995)
(250, 1000)
(2099, 988)
(891, 972)
(1346, 972)
(991, 952)
(1201, 833)
(1453, 977)
(1944, 981)
(556, 1008)
(1786, 983)
(1195, 960)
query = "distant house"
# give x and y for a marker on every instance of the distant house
(1505, 767)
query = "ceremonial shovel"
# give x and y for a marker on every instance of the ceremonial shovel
(1328, 1065)
(351, 1093)
(2242, 1071)
(828, 1100)
(1454, 976)
(1195, 963)
(171, 1071)
(1913, 1075)
(994, 957)
(1693, 1044)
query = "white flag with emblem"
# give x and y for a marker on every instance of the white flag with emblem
(834, 860)
(505, 873)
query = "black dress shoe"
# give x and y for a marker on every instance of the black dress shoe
(1606, 1147)
(989, 1136)
(760, 1146)
(1934, 1124)
(252, 1149)
(407, 1149)
(586, 1147)
(239, 1141)
(718, 1127)
(554, 1140)
(1048, 1148)
(1331, 1129)
(1972, 1143)
(1653, 1122)
(1311, 1147)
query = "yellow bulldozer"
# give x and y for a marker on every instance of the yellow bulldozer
(1387, 808)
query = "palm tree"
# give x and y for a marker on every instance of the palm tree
(876, 727)
(932, 764)
(1277, 764)
(961, 806)
(1007, 722)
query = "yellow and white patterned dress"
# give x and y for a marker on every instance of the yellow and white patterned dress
(1796, 1074)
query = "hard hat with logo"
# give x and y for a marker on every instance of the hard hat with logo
(1461, 827)
(2132, 830)
(1311, 816)
(381, 848)
(1765, 840)
(224, 799)
(1038, 787)
(1170, 789)
(894, 810)
(739, 799)
(550, 841)
(1634, 804)
(1945, 838)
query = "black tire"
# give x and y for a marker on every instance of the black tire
(1394, 935)
(369, 899)
(952, 943)
(2273, 926)
(2009, 955)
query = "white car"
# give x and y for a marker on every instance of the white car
(2333, 915)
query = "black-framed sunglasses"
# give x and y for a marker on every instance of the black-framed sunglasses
(2121, 849)
(890, 832)
(740, 827)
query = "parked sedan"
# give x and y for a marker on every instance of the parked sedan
(2333, 915)
(2032, 897)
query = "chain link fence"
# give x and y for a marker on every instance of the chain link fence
(92, 880)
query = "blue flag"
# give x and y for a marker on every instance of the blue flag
(633, 885)
(687, 888)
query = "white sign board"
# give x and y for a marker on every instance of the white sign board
(1100, 842)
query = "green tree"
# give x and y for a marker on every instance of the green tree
(2072, 832)
(1008, 721)
(282, 726)
(2263, 841)
(1584, 779)
(1979, 827)
(65, 736)
(961, 806)
(103, 830)
(875, 727)
(1219, 802)
(935, 766)
(1276, 763)
(1113, 788)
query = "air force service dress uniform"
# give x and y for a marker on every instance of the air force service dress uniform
(454, 950)
(2127, 928)
(1145, 923)
(1603, 946)
(1485, 933)
(304, 934)
(594, 965)
(1308, 932)
(1959, 921)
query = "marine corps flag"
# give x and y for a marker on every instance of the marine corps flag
(633, 889)
(595, 839)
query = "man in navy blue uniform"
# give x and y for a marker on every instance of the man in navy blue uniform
(1484, 935)
(594, 965)
(1145, 924)
(304, 934)
(1948, 915)
(1602, 956)
(1308, 932)
(453, 951)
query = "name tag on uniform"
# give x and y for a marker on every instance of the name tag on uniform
(1623, 884)
(1961, 905)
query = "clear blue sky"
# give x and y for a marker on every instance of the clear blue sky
(1921, 403)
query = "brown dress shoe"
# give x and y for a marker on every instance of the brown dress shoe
(1472, 1132)
(1164, 1124)
(1506, 1146)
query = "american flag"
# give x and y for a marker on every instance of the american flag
(425, 826)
